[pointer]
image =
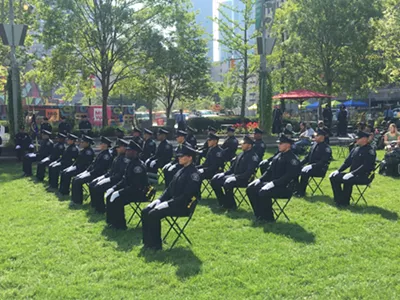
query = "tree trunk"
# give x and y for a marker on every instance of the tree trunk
(104, 91)
(245, 74)
(168, 110)
(329, 88)
(151, 112)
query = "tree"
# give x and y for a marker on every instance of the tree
(237, 37)
(387, 43)
(98, 37)
(229, 91)
(181, 67)
(328, 44)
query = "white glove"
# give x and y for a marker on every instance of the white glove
(99, 178)
(348, 176)
(218, 175)
(45, 160)
(57, 164)
(154, 203)
(306, 169)
(17, 147)
(72, 168)
(84, 174)
(333, 174)
(109, 192)
(201, 171)
(52, 164)
(171, 168)
(162, 205)
(31, 146)
(114, 196)
(147, 161)
(104, 181)
(230, 179)
(31, 155)
(167, 166)
(268, 186)
(153, 163)
(255, 182)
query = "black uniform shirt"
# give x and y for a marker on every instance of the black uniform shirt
(69, 156)
(164, 153)
(244, 165)
(285, 167)
(57, 152)
(214, 161)
(46, 126)
(319, 156)
(229, 148)
(101, 164)
(118, 168)
(259, 148)
(135, 179)
(64, 127)
(191, 139)
(22, 139)
(149, 149)
(85, 125)
(46, 147)
(84, 159)
(361, 161)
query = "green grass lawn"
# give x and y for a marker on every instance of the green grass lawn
(49, 251)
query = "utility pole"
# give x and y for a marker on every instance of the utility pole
(14, 68)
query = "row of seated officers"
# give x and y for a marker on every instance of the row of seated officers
(122, 174)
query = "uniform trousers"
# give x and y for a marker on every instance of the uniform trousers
(54, 174)
(151, 224)
(226, 198)
(115, 212)
(304, 177)
(27, 162)
(41, 169)
(97, 195)
(77, 188)
(261, 200)
(65, 180)
(342, 194)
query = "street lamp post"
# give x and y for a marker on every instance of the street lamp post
(14, 68)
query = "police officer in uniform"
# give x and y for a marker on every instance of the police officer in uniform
(163, 154)
(230, 145)
(176, 200)
(239, 174)
(46, 125)
(85, 127)
(204, 149)
(68, 158)
(46, 147)
(149, 146)
(22, 142)
(137, 136)
(56, 153)
(101, 184)
(316, 163)
(190, 138)
(259, 145)
(275, 182)
(361, 162)
(120, 135)
(99, 167)
(132, 188)
(214, 162)
(82, 162)
(172, 167)
(64, 126)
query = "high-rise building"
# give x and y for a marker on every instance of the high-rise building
(204, 9)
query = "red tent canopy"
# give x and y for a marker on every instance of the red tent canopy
(301, 94)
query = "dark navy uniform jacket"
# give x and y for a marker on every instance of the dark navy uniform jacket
(85, 125)
(191, 139)
(178, 150)
(101, 164)
(149, 149)
(183, 189)
(214, 162)
(138, 140)
(46, 126)
(46, 147)
(319, 156)
(285, 167)
(244, 165)
(22, 139)
(229, 148)
(361, 161)
(64, 127)
(84, 159)
(164, 153)
(57, 152)
(69, 156)
(259, 148)
(118, 168)
(135, 179)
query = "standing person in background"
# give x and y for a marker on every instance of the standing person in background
(22, 143)
(180, 120)
(85, 127)
(277, 120)
(388, 114)
(46, 125)
(342, 121)
(327, 116)
(64, 127)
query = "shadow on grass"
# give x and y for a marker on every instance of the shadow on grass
(358, 209)
(290, 230)
(240, 213)
(188, 263)
(126, 239)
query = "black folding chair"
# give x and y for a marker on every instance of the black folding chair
(180, 230)
(240, 196)
(315, 185)
(136, 209)
(161, 178)
(86, 191)
(280, 208)
(206, 189)
(362, 188)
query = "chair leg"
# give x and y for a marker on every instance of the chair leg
(136, 211)
(361, 192)
(281, 209)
